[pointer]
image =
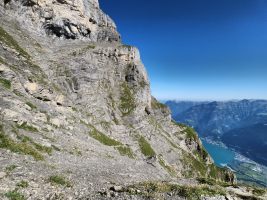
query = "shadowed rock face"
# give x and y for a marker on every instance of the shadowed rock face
(77, 115)
(64, 19)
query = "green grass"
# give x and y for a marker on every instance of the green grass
(127, 101)
(27, 127)
(259, 191)
(152, 189)
(15, 195)
(83, 50)
(145, 147)
(143, 84)
(2, 61)
(5, 83)
(127, 46)
(37, 146)
(125, 151)
(167, 167)
(10, 168)
(23, 184)
(31, 105)
(18, 147)
(195, 167)
(23, 148)
(11, 42)
(181, 125)
(190, 133)
(157, 105)
(59, 180)
(102, 138)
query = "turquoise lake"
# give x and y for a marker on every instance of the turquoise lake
(221, 155)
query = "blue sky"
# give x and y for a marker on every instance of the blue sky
(198, 50)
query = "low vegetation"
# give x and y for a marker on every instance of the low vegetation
(127, 102)
(5, 83)
(153, 189)
(213, 182)
(59, 180)
(18, 147)
(37, 146)
(125, 151)
(104, 139)
(167, 167)
(31, 105)
(157, 105)
(15, 195)
(23, 184)
(10, 168)
(145, 147)
(258, 191)
(190, 133)
(27, 127)
(83, 50)
(25, 145)
(195, 167)
(2, 61)
(11, 42)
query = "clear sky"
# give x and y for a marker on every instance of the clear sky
(198, 49)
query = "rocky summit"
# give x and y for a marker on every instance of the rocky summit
(78, 120)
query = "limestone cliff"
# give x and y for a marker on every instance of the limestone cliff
(77, 116)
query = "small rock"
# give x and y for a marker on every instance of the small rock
(2, 175)
(116, 188)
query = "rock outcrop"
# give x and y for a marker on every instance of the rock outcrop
(77, 116)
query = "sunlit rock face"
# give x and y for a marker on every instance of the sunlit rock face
(76, 108)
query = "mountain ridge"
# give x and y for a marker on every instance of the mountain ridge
(77, 115)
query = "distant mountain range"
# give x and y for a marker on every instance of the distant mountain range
(241, 125)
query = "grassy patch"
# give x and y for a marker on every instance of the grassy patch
(27, 127)
(125, 151)
(127, 102)
(102, 138)
(83, 50)
(212, 181)
(157, 105)
(76, 151)
(10, 168)
(2, 61)
(37, 146)
(11, 42)
(259, 191)
(15, 195)
(32, 106)
(145, 147)
(55, 147)
(190, 133)
(195, 167)
(59, 180)
(143, 84)
(167, 167)
(152, 189)
(23, 184)
(18, 147)
(5, 83)
(181, 125)
(127, 46)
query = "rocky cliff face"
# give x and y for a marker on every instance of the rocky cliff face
(69, 19)
(77, 116)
